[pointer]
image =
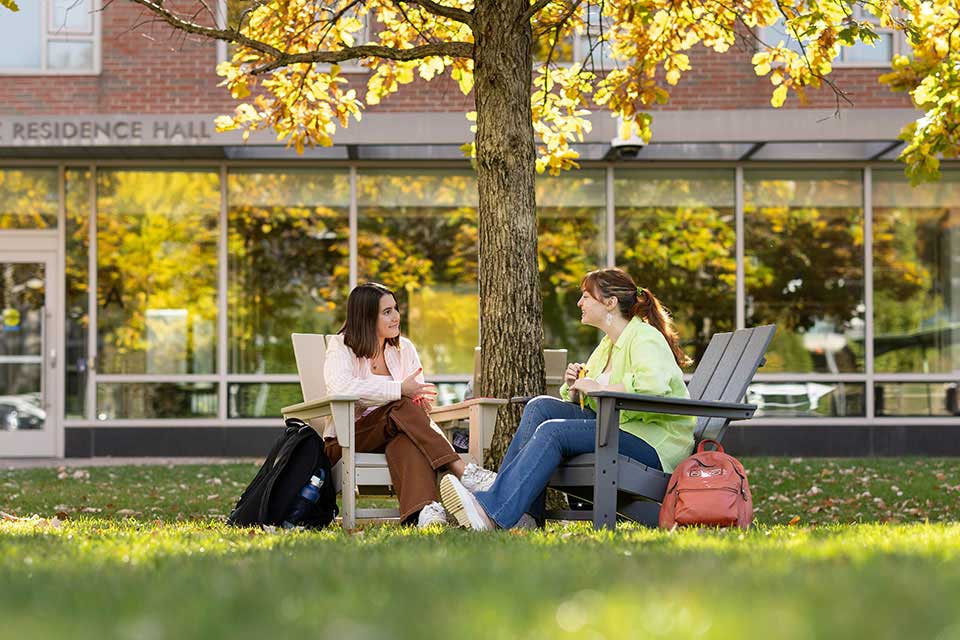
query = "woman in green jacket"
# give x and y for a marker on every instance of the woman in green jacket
(640, 353)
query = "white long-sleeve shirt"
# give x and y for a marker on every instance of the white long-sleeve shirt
(346, 374)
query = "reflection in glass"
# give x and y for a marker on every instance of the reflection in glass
(675, 234)
(261, 399)
(77, 205)
(418, 235)
(22, 300)
(157, 271)
(571, 227)
(117, 401)
(71, 16)
(289, 269)
(21, 33)
(916, 399)
(806, 399)
(28, 199)
(69, 55)
(916, 274)
(804, 267)
(880, 51)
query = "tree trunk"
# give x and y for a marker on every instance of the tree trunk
(511, 329)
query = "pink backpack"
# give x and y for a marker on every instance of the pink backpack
(709, 488)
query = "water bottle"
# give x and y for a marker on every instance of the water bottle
(302, 505)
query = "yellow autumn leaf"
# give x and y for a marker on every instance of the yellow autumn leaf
(779, 96)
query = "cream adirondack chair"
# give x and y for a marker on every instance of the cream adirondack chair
(367, 472)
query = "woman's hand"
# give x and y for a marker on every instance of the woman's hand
(425, 403)
(584, 386)
(411, 387)
(570, 375)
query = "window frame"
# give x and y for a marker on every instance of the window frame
(49, 33)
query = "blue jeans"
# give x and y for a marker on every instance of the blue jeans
(550, 431)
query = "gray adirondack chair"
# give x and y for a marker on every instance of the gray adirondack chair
(617, 484)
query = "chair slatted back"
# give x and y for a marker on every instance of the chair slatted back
(729, 369)
(310, 349)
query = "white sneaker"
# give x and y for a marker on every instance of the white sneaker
(463, 505)
(432, 514)
(477, 478)
(526, 521)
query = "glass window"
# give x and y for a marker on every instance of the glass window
(69, 55)
(803, 233)
(77, 284)
(261, 399)
(157, 271)
(289, 267)
(675, 234)
(418, 236)
(125, 401)
(49, 36)
(918, 399)
(21, 34)
(71, 16)
(28, 198)
(571, 229)
(916, 274)
(807, 399)
(879, 53)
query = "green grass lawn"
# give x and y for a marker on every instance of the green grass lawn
(141, 552)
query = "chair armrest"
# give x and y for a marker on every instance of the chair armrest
(481, 414)
(677, 406)
(620, 401)
(461, 410)
(315, 408)
(339, 408)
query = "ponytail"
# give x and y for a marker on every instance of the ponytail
(649, 308)
(639, 302)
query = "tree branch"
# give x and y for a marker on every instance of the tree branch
(534, 10)
(547, 27)
(443, 49)
(282, 59)
(457, 15)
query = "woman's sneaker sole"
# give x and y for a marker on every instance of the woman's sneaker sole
(460, 503)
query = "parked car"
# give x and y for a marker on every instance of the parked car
(21, 412)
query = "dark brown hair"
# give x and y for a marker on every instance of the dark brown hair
(363, 310)
(635, 301)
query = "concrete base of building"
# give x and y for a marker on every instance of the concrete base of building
(807, 440)
(225, 442)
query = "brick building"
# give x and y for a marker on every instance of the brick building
(154, 269)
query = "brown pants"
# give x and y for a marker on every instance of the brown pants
(414, 446)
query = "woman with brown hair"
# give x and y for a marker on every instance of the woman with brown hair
(640, 353)
(371, 360)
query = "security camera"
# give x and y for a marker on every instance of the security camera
(625, 148)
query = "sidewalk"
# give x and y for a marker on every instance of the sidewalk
(53, 463)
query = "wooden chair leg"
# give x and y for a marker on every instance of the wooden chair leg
(348, 489)
(605, 468)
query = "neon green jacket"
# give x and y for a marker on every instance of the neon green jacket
(643, 363)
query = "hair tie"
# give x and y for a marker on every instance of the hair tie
(640, 292)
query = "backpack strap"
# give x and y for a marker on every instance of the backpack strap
(717, 446)
(280, 462)
(271, 457)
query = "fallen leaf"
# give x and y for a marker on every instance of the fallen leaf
(794, 520)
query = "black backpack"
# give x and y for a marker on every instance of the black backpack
(297, 455)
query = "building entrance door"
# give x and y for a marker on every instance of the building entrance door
(29, 361)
